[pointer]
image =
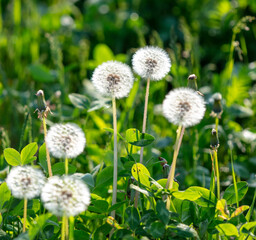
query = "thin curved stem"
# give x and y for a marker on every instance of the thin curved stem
(169, 184)
(115, 156)
(145, 117)
(46, 149)
(25, 214)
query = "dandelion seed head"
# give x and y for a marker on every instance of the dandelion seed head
(184, 106)
(65, 140)
(113, 78)
(25, 182)
(65, 196)
(151, 62)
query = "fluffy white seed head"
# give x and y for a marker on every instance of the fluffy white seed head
(151, 62)
(25, 182)
(65, 196)
(113, 79)
(65, 140)
(184, 106)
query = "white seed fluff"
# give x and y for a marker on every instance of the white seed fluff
(65, 196)
(151, 62)
(65, 140)
(25, 182)
(113, 79)
(184, 106)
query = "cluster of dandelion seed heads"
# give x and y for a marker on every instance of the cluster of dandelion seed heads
(25, 182)
(151, 62)
(65, 140)
(184, 106)
(65, 196)
(113, 79)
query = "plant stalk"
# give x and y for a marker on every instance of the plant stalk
(71, 227)
(47, 152)
(25, 214)
(145, 117)
(63, 228)
(216, 125)
(217, 172)
(66, 166)
(169, 184)
(115, 156)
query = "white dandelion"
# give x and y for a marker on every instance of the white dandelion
(151, 62)
(113, 79)
(184, 106)
(25, 182)
(65, 196)
(65, 140)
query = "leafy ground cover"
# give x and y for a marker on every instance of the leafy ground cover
(56, 46)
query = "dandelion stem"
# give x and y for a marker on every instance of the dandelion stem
(217, 172)
(169, 184)
(71, 227)
(145, 117)
(66, 166)
(63, 229)
(25, 214)
(115, 156)
(216, 125)
(47, 152)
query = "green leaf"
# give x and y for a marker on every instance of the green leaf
(116, 206)
(81, 235)
(183, 231)
(59, 168)
(156, 229)
(79, 101)
(162, 213)
(88, 179)
(102, 232)
(227, 229)
(229, 194)
(141, 174)
(102, 53)
(28, 152)
(134, 137)
(248, 227)
(42, 158)
(41, 73)
(112, 131)
(239, 211)
(133, 218)
(5, 194)
(105, 176)
(12, 157)
(37, 225)
(98, 206)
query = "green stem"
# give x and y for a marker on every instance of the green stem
(145, 117)
(63, 228)
(234, 178)
(217, 172)
(216, 125)
(66, 166)
(169, 184)
(115, 156)
(47, 152)
(71, 227)
(25, 214)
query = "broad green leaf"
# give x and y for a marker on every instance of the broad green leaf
(186, 195)
(156, 229)
(5, 194)
(222, 206)
(98, 206)
(12, 157)
(134, 137)
(141, 174)
(41, 73)
(1, 219)
(133, 218)
(227, 229)
(102, 53)
(79, 101)
(28, 152)
(59, 168)
(105, 176)
(183, 231)
(162, 182)
(81, 235)
(102, 232)
(162, 213)
(248, 227)
(42, 158)
(239, 211)
(88, 179)
(116, 206)
(37, 225)
(229, 194)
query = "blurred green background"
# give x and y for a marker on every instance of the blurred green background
(56, 45)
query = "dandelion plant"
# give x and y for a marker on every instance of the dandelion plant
(113, 79)
(183, 107)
